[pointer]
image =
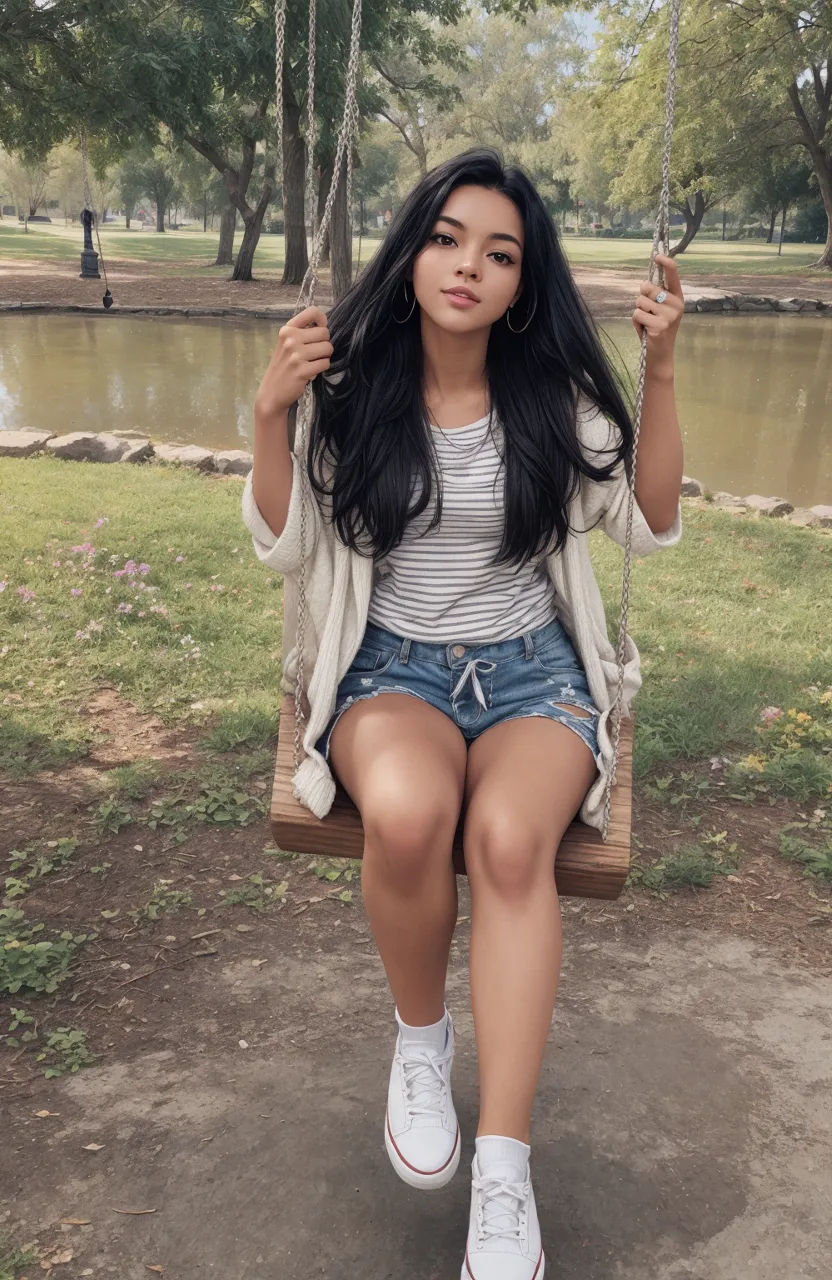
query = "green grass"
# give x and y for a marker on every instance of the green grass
(733, 620)
(190, 252)
(208, 654)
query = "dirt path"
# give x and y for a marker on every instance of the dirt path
(682, 1127)
(609, 293)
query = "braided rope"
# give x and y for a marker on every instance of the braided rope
(346, 137)
(661, 234)
(311, 125)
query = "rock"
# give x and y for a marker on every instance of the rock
(824, 516)
(790, 304)
(768, 506)
(187, 455)
(710, 304)
(21, 444)
(691, 488)
(139, 450)
(752, 303)
(130, 435)
(803, 518)
(826, 307)
(234, 462)
(87, 446)
(722, 499)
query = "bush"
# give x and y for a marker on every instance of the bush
(30, 965)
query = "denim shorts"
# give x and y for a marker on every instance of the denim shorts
(476, 686)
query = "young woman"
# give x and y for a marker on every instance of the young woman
(467, 432)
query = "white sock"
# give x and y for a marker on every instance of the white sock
(435, 1035)
(503, 1157)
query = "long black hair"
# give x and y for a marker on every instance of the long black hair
(371, 455)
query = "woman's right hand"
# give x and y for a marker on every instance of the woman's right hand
(303, 351)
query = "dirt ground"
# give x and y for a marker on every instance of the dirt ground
(682, 1126)
(609, 293)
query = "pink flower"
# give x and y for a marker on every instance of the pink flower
(102, 520)
(26, 593)
(771, 713)
(187, 586)
(179, 559)
(56, 564)
(76, 591)
(125, 608)
(144, 568)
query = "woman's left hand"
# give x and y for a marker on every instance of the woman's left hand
(660, 319)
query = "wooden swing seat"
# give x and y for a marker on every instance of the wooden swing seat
(586, 866)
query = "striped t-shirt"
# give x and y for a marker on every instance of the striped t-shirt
(443, 585)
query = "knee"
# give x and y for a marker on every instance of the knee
(507, 859)
(405, 841)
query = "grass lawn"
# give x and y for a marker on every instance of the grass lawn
(186, 251)
(733, 620)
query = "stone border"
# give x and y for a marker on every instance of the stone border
(724, 304)
(283, 312)
(735, 303)
(133, 446)
(122, 446)
(754, 504)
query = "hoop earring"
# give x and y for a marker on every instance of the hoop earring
(528, 322)
(412, 309)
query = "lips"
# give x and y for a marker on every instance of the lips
(462, 292)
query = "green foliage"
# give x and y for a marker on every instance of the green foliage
(815, 859)
(132, 781)
(257, 893)
(36, 860)
(29, 964)
(14, 1258)
(111, 815)
(223, 805)
(795, 753)
(686, 866)
(162, 901)
(244, 726)
(65, 1049)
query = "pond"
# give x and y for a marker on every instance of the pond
(754, 392)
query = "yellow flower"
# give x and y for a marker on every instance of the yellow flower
(803, 716)
(792, 712)
(754, 762)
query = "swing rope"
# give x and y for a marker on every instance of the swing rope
(347, 135)
(89, 205)
(661, 234)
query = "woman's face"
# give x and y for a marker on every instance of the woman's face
(469, 271)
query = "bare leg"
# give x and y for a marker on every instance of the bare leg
(526, 780)
(403, 763)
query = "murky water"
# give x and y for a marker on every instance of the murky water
(754, 392)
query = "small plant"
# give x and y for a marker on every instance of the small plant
(239, 727)
(687, 866)
(65, 1049)
(225, 804)
(131, 781)
(38, 859)
(256, 893)
(162, 901)
(816, 860)
(111, 815)
(333, 869)
(20, 1018)
(795, 753)
(32, 965)
(678, 789)
(14, 1258)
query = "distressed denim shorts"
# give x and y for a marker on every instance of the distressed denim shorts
(476, 686)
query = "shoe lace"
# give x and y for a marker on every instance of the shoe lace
(500, 1208)
(424, 1081)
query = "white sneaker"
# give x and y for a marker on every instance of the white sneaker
(503, 1230)
(421, 1131)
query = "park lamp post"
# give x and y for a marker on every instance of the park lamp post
(89, 258)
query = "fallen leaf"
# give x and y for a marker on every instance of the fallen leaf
(43, 1114)
(245, 928)
(132, 1213)
(76, 1222)
(235, 877)
(772, 897)
(255, 964)
(157, 1269)
(94, 1146)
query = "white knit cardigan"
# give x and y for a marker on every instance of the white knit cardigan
(339, 584)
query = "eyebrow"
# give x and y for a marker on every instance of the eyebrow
(495, 235)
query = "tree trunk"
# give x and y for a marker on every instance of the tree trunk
(296, 255)
(341, 238)
(782, 228)
(127, 219)
(770, 236)
(824, 176)
(693, 221)
(324, 183)
(225, 249)
(160, 216)
(251, 236)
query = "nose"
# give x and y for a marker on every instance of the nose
(467, 271)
